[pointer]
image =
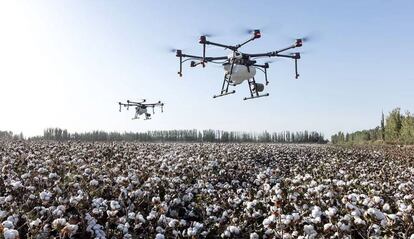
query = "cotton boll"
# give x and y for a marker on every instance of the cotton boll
(173, 223)
(9, 198)
(233, 230)
(343, 226)
(331, 212)
(111, 213)
(115, 205)
(35, 223)
(70, 229)
(16, 184)
(8, 224)
(152, 215)
(287, 219)
(328, 227)
(309, 230)
(183, 222)
(254, 235)
(375, 213)
(269, 220)
(10, 234)
(94, 183)
(359, 221)
(3, 214)
(316, 212)
(127, 236)
(296, 216)
(45, 196)
(188, 197)
(140, 218)
(226, 233)
(156, 200)
(377, 200)
(58, 223)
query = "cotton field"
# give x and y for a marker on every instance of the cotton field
(134, 190)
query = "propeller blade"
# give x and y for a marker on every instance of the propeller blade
(308, 38)
(172, 49)
(311, 37)
(208, 34)
(266, 28)
(250, 30)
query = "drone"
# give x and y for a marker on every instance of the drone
(141, 108)
(239, 66)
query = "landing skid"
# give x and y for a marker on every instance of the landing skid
(224, 94)
(254, 97)
(253, 90)
(225, 88)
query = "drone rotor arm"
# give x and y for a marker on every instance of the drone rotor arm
(192, 57)
(275, 53)
(233, 48)
(244, 43)
(136, 103)
(217, 58)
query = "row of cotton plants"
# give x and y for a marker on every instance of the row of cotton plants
(133, 190)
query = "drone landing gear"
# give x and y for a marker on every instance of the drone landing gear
(225, 88)
(255, 89)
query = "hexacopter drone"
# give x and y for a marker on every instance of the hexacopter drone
(141, 108)
(239, 66)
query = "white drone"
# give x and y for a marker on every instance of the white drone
(141, 108)
(240, 66)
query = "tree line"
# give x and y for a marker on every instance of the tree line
(185, 136)
(396, 128)
(10, 135)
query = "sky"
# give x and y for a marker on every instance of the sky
(67, 63)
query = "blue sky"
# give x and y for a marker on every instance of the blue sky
(66, 64)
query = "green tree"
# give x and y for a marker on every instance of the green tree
(407, 129)
(382, 126)
(393, 126)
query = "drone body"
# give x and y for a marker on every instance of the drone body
(239, 73)
(141, 108)
(239, 66)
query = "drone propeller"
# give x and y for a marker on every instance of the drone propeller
(208, 34)
(307, 38)
(250, 30)
(173, 49)
(304, 39)
(262, 28)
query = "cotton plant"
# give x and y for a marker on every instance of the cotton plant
(124, 190)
